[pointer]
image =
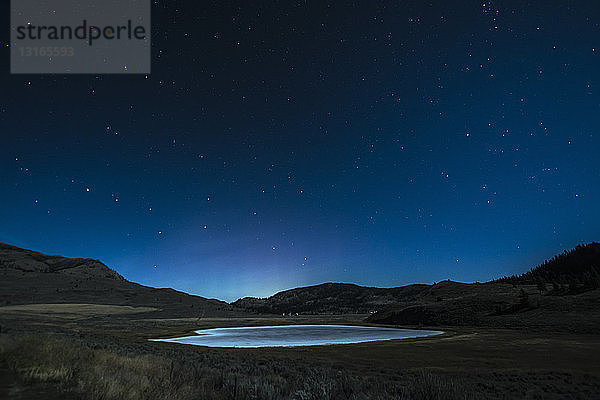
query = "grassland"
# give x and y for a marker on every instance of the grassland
(73, 311)
(106, 355)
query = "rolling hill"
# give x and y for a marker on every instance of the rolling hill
(29, 277)
(330, 298)
(562, 294)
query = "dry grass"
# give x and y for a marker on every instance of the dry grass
(72, 311)
(104, 373)
(106, 358)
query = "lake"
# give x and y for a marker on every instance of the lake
(295, 335)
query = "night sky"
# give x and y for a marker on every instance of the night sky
(282, 145)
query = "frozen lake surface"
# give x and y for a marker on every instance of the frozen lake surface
(295, 335)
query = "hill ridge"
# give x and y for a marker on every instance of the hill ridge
(578, 266)
(31, 277)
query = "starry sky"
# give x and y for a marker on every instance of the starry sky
(294, 143)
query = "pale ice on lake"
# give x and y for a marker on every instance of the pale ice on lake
(296, 335)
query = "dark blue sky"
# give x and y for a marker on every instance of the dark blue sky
(303, 142)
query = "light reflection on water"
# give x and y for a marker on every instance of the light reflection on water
(295, 335)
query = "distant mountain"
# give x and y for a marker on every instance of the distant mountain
(28, 277)
(330, 298)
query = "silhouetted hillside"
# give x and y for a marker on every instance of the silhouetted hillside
(526, 301)
(579, 268)
(331, 298)
(29, 277)
(560, 294)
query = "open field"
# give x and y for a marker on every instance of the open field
(104, 356)
(72, 311)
